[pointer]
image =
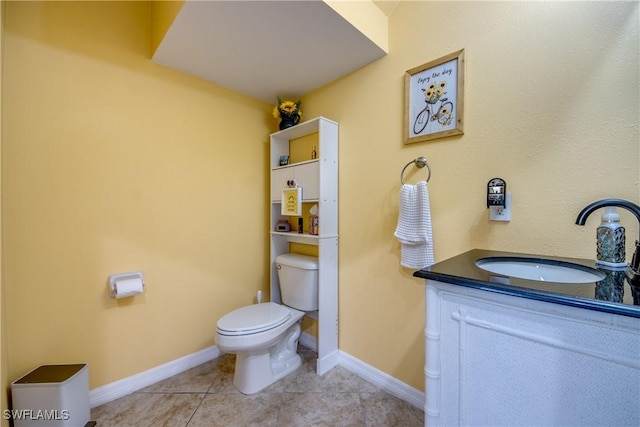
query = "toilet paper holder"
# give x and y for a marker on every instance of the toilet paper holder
(114, 278)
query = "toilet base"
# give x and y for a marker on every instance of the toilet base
(257, 369)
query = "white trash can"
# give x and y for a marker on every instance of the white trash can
(52, 395)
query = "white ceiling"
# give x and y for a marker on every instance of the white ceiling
(265, 49)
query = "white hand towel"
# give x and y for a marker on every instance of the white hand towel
(414, 227)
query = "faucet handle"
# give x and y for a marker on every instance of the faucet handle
(633, 271)
(635, 260)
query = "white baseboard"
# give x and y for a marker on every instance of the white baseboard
(385, 381)
(328, 362)
(115, 390)
(367, 372)
(325, 364)
(309, 341)
(120, 388)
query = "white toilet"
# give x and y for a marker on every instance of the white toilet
(264, 336)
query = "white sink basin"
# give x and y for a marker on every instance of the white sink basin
(542, 270)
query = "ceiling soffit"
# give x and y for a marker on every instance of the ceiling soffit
(265, 49)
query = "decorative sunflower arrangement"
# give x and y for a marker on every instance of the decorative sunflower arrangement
(434, 92)
(286, 109)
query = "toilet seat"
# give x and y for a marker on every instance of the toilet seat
(253, 319)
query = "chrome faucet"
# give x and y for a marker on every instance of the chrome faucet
(633, 270)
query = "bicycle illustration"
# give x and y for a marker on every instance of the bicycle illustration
(444, 114)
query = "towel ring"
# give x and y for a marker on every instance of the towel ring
(420, 162)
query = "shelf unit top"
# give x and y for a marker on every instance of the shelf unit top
(302, 129)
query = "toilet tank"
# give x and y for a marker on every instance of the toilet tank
(298, 276)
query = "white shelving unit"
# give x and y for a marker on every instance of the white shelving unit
(319, 181)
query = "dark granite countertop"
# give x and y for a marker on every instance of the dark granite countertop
(610, 295)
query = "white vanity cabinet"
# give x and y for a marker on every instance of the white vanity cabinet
(498, 360)
(319, 181)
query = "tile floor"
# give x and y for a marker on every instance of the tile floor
(205, 396)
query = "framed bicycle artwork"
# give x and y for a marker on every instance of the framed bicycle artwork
(434, 99)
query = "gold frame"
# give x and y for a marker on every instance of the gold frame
(421, 123)
(291, 201)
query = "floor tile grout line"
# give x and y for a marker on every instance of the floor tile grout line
(195, 410)
(364, 408)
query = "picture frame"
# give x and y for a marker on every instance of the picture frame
(434, 99)
(291, 201)
(284, 160)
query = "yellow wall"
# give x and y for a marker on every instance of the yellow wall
(111, 164)
(366, 17)
(551, 106)
(4, 366)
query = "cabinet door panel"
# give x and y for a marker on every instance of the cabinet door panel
(279, 178)
(307, 177)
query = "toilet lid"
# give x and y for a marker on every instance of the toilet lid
(253, 319)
